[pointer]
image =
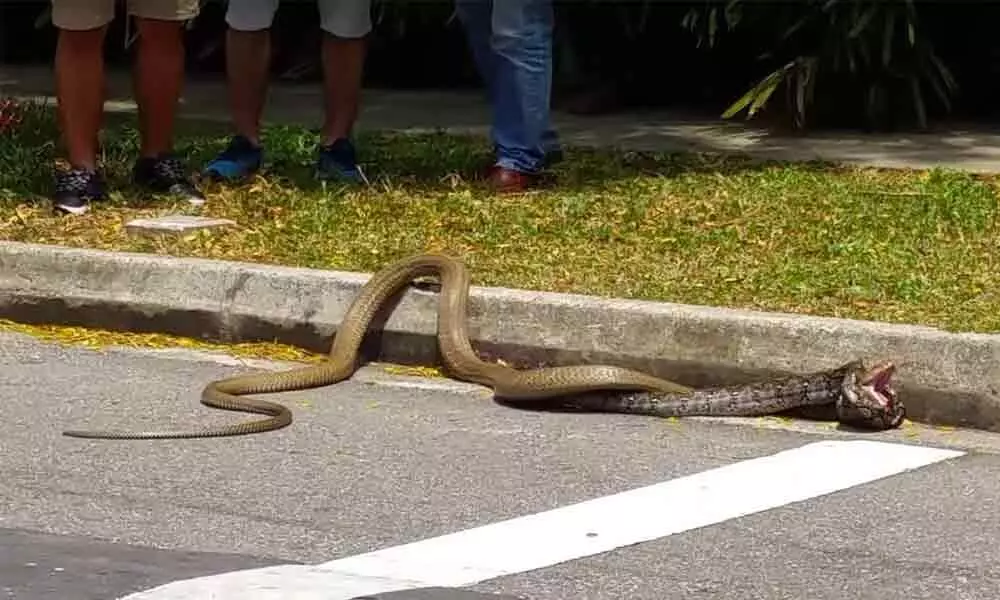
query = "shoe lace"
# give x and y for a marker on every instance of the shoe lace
(74, 181)
(170, 169)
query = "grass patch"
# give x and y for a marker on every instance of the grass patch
(899, 246)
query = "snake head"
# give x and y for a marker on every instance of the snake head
(868, 398)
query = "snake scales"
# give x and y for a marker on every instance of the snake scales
(861, 395)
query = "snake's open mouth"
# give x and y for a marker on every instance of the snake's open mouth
(878, 380)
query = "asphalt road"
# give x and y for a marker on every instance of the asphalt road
(384, 460)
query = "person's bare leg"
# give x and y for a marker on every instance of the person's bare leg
(79, 67)
(343, 70)
(159, 79)
(248, 56)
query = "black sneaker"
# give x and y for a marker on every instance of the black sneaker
(165, 174)
(75, 189)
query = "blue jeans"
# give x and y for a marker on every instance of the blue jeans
(511, 43)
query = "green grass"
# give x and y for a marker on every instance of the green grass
(901, 246)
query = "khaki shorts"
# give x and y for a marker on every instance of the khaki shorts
(91, 14)
(343, 18)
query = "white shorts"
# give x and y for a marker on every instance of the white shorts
(342, 18)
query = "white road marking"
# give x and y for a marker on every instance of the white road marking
(576, 531)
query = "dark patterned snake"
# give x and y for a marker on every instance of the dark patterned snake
(861, 395)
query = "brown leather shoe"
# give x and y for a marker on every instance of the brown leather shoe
(509, 181)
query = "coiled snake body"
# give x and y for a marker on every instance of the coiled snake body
(862, 396)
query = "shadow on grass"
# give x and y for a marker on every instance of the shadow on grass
(422, 161)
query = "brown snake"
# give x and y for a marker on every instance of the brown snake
(862, 396)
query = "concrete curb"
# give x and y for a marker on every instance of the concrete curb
(946, 378)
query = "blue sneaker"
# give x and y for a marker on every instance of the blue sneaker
(239, 160)
(338, 162)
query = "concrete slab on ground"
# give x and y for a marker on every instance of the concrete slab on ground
(174, 224)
